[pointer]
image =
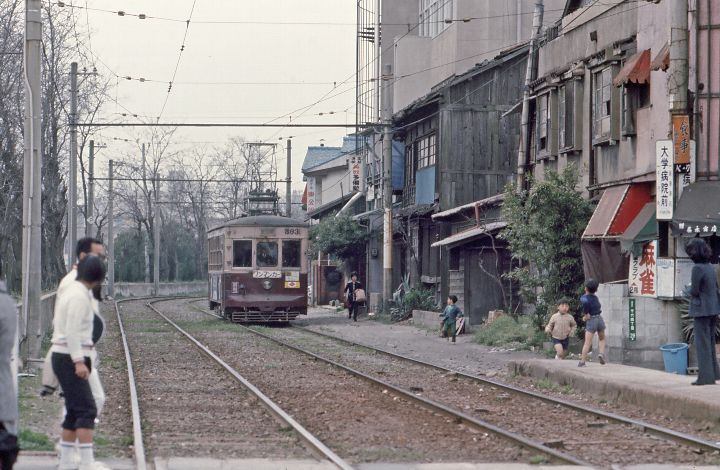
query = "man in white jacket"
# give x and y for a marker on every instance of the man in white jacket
(87, 246)
(72, 347)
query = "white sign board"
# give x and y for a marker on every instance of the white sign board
(664, 180)
(683, 271)
(642, 278)
(665, 278)
(311, 206)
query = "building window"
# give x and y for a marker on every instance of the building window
(267, 254)
(410, 164)
(433, 14)
(291, 253)
(454, 259)
(602, 104)
(242, 253)
(634, 97)
(566, 115)
(543, 122)
(427, 151)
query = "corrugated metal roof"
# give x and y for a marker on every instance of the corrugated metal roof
(470, 234)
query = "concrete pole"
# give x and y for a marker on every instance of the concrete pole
(32, 169)
(678, 73)
(91, 191)
(111, 234)
(156, 243)
(387, 187)
(72, 190)
(288, 189)
(530, 74)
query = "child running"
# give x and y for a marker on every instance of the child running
(560, 327)
(449, 317)
(594, 323)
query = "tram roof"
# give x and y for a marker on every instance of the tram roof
(260, 221)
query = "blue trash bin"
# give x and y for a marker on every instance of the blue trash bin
(675, 357)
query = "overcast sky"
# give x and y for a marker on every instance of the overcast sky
(311, 56)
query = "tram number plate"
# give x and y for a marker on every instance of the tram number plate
(292, 231)
(267, 274)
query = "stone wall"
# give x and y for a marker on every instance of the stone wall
(141, 289)
(657, 323)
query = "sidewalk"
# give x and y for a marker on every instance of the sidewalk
(420, 343)
(646, 388)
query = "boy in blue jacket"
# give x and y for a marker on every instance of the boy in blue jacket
(449, 317)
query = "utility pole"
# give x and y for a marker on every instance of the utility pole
(146, 239)
(156, 232)
(288, 187)
(91, 191)
(72, 197)
(387, 187)
(678, 73)
(32, 168)
(530, 74)
(111, 235)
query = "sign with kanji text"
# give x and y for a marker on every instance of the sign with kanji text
(632, 320)
(681, 138)
(664, 194)
(355, 168)
(311, 199)
(686, 171)
(642, 278)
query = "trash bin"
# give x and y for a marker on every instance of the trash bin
(675, 357)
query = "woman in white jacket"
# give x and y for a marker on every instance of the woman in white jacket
(72, 348)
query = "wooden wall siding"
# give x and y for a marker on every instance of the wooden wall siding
(456, 283)
(478, 147)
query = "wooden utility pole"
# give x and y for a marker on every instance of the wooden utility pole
(91, 191)
(530, 74)
(387, 187)
(111, 234)
(288, 185)
(32, 168)
(72, 190)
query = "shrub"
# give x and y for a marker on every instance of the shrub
(507, 331)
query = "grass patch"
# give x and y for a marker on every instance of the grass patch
(510, 333)
(36, 441)
(538, 460)
(549, 385)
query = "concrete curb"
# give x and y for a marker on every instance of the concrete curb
(648, 389)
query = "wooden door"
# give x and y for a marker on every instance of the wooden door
(482, 292)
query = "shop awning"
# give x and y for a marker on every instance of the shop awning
(662, 59)
(635, 70)
(617, 209)
(641, 230)
(470, 234)
(698, 210)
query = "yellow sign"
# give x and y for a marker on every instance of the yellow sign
(292, 285)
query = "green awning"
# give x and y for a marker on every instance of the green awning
(643, 229)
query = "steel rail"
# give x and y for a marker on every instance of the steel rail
(313, 442)
(665, 433)
(435, 406)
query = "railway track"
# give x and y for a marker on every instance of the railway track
(469, 422)
(531, 410)
(173, 388)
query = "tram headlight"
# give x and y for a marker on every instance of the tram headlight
(267, 284)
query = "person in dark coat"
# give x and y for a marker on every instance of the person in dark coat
(704, 310)
(349, 291)
(8, 392)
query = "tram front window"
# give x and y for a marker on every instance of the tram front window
(291, 253)
(267, 254)
(242, 253)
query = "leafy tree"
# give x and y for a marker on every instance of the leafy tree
(339, 236)
(545, 224)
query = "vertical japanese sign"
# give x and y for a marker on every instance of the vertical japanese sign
(311, 206)
(642, 278)
(686, 171)
(681, 139)
(632, 330)
(355, 172)
(664, 180)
